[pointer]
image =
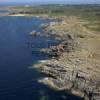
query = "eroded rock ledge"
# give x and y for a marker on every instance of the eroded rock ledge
(75, 64)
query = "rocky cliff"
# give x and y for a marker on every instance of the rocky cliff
(75, 63)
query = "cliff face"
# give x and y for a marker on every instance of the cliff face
(75, 63)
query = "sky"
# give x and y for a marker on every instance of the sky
(56, 1)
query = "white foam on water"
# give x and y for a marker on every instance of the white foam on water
(43, 61)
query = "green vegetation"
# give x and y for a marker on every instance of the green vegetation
(91, 13)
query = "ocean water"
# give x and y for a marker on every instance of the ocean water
(19, 51)
(3, 11)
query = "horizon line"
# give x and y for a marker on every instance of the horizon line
(64, 3)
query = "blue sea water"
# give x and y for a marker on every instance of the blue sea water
(3, 11)
(17, 80)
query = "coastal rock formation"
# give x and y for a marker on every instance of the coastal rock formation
(65, 46)
(34, 33)
(75, 63)
(72, 75)
(75, 75)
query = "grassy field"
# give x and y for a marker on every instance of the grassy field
(91, 13)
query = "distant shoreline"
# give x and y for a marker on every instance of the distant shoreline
(18, 15)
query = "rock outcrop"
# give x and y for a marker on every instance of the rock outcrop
(75, 75)
(67, 45)
(75, 65)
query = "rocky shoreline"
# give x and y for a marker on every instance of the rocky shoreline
(72, 67)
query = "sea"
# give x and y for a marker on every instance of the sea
(19, 51)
